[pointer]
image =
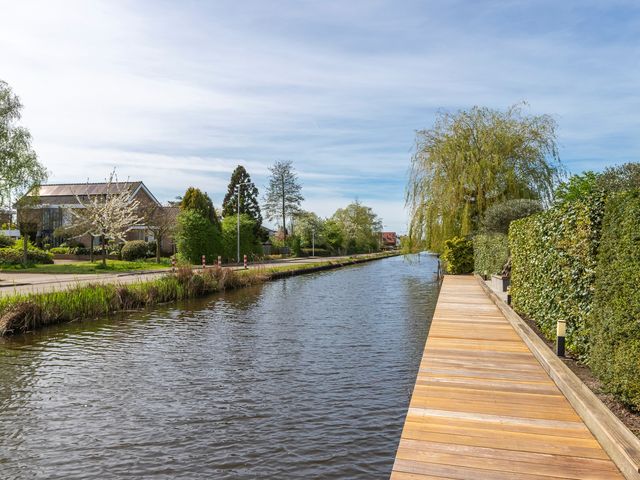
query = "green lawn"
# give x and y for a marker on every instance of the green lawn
(88, 267)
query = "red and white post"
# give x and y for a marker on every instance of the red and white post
(219, 261)
(245, 262)
(204, 262)
(173, 263)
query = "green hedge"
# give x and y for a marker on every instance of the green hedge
(134, 250)
(553, 256)
(490, 253)
(458, 255)
(615, 320)
(14, 255)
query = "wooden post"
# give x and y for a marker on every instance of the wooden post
(245, 261)
(173, 264)
(204, 262)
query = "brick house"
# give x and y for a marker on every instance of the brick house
(389, 240)
(50, 210)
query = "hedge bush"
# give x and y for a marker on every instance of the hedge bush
(14, 255)
(553, 256)
(458, 255)
(134, 250)
(6, 241)
(490, 253)
(614, 322)
(196, 236)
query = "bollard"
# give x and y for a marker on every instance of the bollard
(173, 263)
(204, 262)
(509, 296)
(561, 327)
(219, 261)
(245, 262)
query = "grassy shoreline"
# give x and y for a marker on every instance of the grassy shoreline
(23, 313)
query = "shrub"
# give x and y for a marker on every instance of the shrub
(553, 257)
(613, 323)
(249, 244)
(14, 255)
(490, 253)
(60, 250)
(498, 217)
(134, 250)
(196, 236)
(6, 241)
(458, 255)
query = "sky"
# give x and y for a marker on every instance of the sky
(178, 93)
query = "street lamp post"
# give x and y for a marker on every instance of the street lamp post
(313, 242)
(238, 191)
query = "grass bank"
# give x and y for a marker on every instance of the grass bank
(26, 312)
(80, 268)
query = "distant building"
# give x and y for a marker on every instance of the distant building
(50, 210)
(389, 240)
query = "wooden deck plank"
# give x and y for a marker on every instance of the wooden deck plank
(484, 408)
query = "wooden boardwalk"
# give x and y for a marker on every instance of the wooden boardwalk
(484, 408)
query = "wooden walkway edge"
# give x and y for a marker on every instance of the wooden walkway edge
(484, 408)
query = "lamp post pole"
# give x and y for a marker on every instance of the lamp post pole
(313, 242)
(239, 190)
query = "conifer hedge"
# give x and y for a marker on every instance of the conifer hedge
(614, 323)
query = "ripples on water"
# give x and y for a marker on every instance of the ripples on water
(307, 377)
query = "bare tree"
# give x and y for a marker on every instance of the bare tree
(161, 221)
(108, 216)
(283, 193)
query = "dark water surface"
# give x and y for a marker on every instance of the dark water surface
(307, 377)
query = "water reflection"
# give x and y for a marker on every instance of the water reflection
(307, 377)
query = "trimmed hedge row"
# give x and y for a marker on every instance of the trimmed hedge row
(553, 256)
(614, 324)
(490, 253)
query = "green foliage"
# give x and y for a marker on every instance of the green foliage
(196, 200)
(14, 255)
(20, 170)
(196, 236)
(553, 257)
(6, 241)
(134, 250)
(295, 245)
(499, 216)
(249, 244)
(60, 250)
(248, 198)
(576, 188)
(283, 196)
(613, 323)
(620, 177)
(490, 253)
(333, 235)
(306, 223)
(473, 159)
(360, 228)
(458, 255)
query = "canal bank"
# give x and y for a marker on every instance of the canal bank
(303, 377)
(23, 312)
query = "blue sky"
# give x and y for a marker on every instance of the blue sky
(179, 93)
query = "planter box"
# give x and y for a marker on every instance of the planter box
(500, 283)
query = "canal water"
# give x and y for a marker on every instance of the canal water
(306, 377)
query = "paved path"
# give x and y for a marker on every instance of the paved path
(16, 282)
(484, 408)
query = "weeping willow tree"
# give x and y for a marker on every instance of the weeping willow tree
(472, 159)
